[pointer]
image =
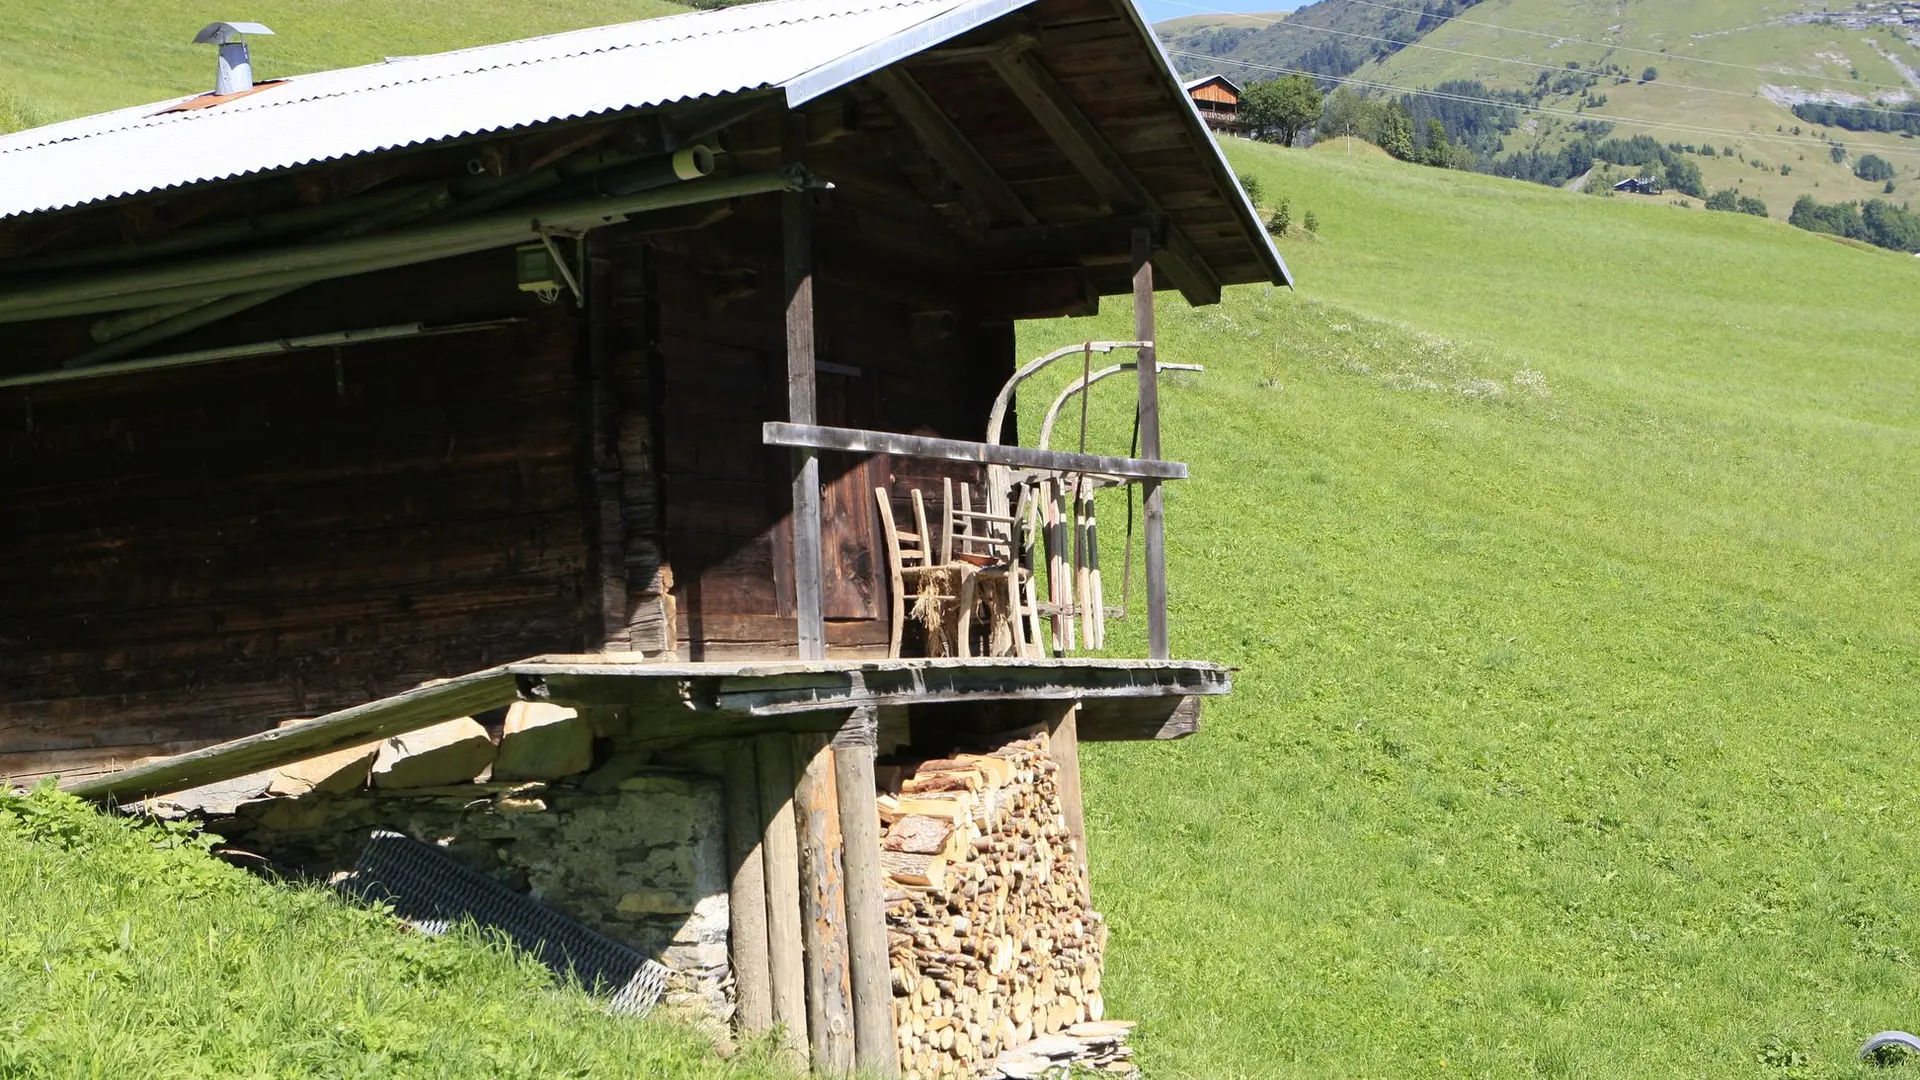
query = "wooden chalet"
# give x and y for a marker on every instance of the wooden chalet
(1217, 98)
(566, 370)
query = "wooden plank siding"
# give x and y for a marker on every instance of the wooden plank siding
(194, 554)
(885, 363)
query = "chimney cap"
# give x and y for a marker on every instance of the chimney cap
(222, 33)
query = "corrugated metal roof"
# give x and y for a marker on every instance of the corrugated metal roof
(806, 47)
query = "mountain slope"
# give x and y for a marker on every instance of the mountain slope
(77, 57)
(1703, 56)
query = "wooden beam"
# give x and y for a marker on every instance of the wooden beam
(1080, 139)
(804, 697)
(823, 909)
(875, 1050)
(1103, 236)
(780, 851)
(1064, 747)
(860, 441)
(1139, 719)
(606, 513)
(1152, 498)
(397, 715)
(797, 222)
(298, 264)
(945, 144)
(1035, 294)
(747, 894)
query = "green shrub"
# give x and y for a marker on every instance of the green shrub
(1282, 218)
(1250, 184)
(1872, 167)
(17, 113)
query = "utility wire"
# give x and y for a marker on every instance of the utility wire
(1286, 24)
(1628, 48)
(1655, 125)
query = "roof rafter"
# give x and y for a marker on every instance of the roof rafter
(950, 148)
(1103, 167)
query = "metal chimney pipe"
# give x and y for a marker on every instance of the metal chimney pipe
(236, 69)
(235, 73)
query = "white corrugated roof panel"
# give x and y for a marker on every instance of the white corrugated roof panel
(805, 47)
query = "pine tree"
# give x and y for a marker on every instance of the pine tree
(1396, 132)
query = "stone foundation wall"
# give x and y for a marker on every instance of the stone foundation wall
(634, 847)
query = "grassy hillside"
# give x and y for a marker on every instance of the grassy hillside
(1682, 41)
(1568, 549)
(85, 56)
(125, 951)
(1706, 90)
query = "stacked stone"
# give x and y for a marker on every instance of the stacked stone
(631, 849)
(992, 938)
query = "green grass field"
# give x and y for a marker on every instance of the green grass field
(1568, 548)
(60, 60)
(126, 952)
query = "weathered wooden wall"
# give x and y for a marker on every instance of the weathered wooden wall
(194, 554)
(916, 360)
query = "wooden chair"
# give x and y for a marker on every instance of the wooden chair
(914, 577)
(996, 548)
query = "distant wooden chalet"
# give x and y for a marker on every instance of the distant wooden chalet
(322, 390)
(1636, 185)
(1218, 100)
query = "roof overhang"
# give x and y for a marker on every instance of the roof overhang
(799, 49)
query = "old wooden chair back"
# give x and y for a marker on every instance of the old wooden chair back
(997, 547)
(918, 584)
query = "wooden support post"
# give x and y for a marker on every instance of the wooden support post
(1153, 498)
(1065, 747)
(747, 896)
(796, 214)
(875, 1050)
(608, 515)
(823, 908)
(780, 852)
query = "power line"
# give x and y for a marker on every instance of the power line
(1656, 125)
(1286, 24)
(1628, 48)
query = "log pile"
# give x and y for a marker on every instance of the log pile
(992, 938)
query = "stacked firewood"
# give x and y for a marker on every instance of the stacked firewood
(992, 938)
